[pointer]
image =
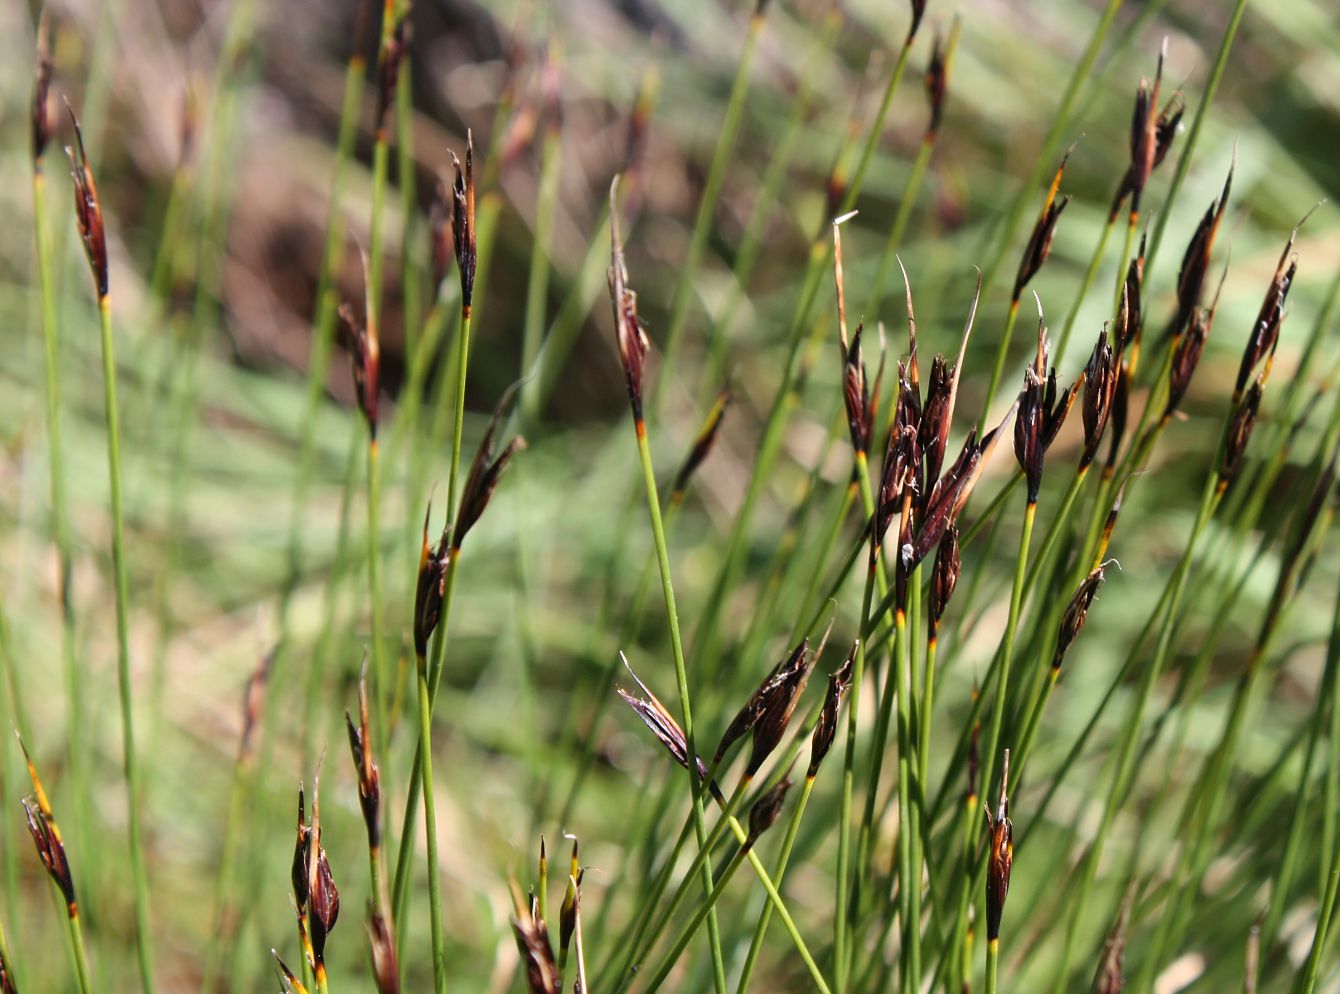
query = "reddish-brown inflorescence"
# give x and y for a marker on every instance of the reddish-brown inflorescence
(937, 84)
(825, 729)
(88, 209)
(1076, 613)
(1044, 229)
(47, 838)
(1000, 857)
(486, 470)
(944, 578)
(463, 222)
(661, 722)
(766, 810)
(1266, 329)
(1100, 387)
(365, 768)
(364, 355)
(41, 108)
(1041, 413)
(428, 591)
(1196, 261)
(632, 339)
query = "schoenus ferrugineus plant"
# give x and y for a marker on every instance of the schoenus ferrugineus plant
(966, 722)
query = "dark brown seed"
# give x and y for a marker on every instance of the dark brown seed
(825, 730)
(632, 340)
(702, 445)
(1121, 402)
(1044, 229)
(486, 470)
(1000, 858)
(463, 222)
(1100, 384)
(87, 209)
(41, 109)
(1076, 613)
(766, 810)
(944, 577)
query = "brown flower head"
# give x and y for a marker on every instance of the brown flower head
(388, 74)
(385, 971)
(369, 777)
(323, 898)
(1041, 413)
(1239, 432)
(763, 815)
(364, 354)
(1265, 333)
(46, 834)
(661, 722)
(1000, 857)
(537, 955)
(301, 851)
(632, 339)
(486, 470)
(856, 395)
(88, 209)
(918, 12)
(429, 589)
(1196, 260)
(1044, 229)
(41, 109)
(825, 730)
(1076, 613)
(571, 907)
(937, 83)
(702, 444)
(748, 716)
(944, 577)
(463, 222)
(1100, 385)
(1187, 352)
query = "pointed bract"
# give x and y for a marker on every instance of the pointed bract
(88, 209)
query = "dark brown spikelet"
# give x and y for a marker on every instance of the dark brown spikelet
(918, 12)
(41, 109)
(537, 955)
(385, 971)
(1100, 386)
(364, 360)
(463, 222)
(1041, 414)
(1000, 857)
(365, 769)
(1144, 135)
(46, 836)
(88, 209)
(776, 706)
(944, 577)
(1076, 613)
(935, 417)
(1130, 314)
(748, 716)
(388, 74)
(1265, 333)
(323, 898)
(301, 850)
(253, 703)
(631, 338)
(766, 810)
(702, 444)
(1186, 357)
(856, 395)
(661, 722)
(486, 470)
(287, 978)
(937, 84)
(1239, 433)
(51, 851)
(571, 906)
(440, 244)
(825, 730)
(1044, 229)
(429, 589)
(1196, 261)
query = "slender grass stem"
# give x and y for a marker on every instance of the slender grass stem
(992, 964)
(80, 953)
(430, 827)
(1330, 900)
(1002, 351)
(126, 692)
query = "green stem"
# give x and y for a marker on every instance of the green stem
(430, 828)
(695, 923)
(126, 694)
(80, 954)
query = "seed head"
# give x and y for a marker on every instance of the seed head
(1041, 414)
(537, 955)
(1266, 329)
(632, 339)
(944, 577)
(324, 898)
(572, 897)
(88, 209)
(1240, 427)
(702, 445)
(388, 73)
(429, 589)
(748, 716)
(1001, 856)
(364, 354)
(1044, 229)
(825, 730)
(661, 722)
(1196, 261)
(463, 222)
(486, 470)
(41, 109)
(937, 83)
(763, 815)
(385, 971)
(1100, 385)
(856, 395)
(301, 850)
(46, 835)
(1076, 612)
(369, 777)
(1187, 352)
